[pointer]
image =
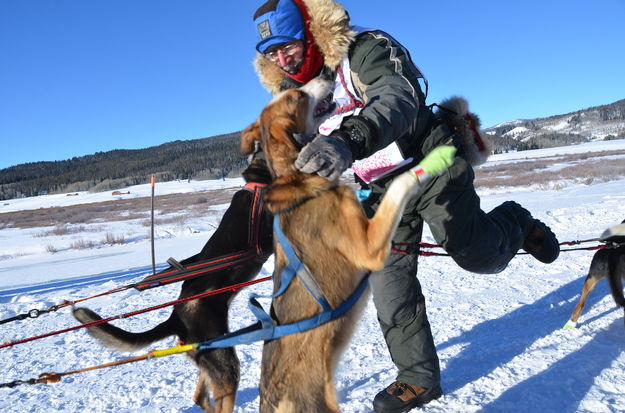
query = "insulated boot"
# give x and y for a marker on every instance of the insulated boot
(402, 397)
(542, 243)
(538, 238)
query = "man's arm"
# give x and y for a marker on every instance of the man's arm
(388, 82)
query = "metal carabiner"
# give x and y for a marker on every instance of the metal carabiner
(34, 313)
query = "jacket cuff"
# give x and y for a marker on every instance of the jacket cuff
(361, 134)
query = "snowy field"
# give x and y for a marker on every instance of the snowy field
(499, 337)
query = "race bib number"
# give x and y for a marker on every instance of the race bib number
(380, 164)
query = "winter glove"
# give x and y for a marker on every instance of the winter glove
(438, 160)
(327, 156)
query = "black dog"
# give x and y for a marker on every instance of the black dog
(202, 319)
(606, 263)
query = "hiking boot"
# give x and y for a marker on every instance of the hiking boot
(402, 397)
(542, 243)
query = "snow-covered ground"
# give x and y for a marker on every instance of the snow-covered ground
(499, 337)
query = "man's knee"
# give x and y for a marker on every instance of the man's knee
(396, 290)
(410, 315)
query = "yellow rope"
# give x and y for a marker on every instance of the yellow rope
(56, 377)
(172, 350)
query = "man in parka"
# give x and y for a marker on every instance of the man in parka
(381, 112)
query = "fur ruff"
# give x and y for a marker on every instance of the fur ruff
(329, 24)
(455, 113)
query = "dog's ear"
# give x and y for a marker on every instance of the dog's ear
(249, 136)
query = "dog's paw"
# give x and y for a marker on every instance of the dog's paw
(569, 325)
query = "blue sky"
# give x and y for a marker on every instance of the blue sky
(82, 76)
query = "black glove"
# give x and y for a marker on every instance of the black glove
(327, 156)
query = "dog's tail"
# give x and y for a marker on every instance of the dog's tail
(117, 339)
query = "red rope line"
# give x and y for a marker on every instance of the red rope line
(245, 256)
(407, 248)
(67, 303)
(201, 264)
(232, 288)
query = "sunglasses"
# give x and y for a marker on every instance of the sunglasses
(287, 49)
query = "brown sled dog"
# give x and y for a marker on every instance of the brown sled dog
(330, 233)
(606, 263)
(199, 320)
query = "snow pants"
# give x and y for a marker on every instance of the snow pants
(477, 241)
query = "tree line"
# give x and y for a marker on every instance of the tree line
(207, 158)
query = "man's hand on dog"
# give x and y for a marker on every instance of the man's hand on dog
(327, 156)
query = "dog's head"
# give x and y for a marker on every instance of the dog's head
(292, 113)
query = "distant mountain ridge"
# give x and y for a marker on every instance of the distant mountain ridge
(219, 156)
(596, 123)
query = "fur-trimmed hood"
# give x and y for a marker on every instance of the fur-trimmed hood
(329, 25)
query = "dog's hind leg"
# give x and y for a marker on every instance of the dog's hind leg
(219, 376)
(599, 269)
(589, 284)
(616, 273)
(607, 263)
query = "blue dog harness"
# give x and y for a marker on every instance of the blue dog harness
(266, 328)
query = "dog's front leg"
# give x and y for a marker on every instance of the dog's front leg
(368, 242)
(224, 398)
(201, 397)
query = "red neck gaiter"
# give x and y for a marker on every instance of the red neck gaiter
(312, 58)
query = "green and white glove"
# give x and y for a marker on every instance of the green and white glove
(437, 161)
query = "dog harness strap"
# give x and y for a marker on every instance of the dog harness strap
(256, 212)
(253, 186)
(297, 267)
(266, 329)
(254, 250)
(294, 268)
(195, 270)
(324, 316)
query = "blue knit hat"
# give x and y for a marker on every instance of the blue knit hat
(278, 21)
